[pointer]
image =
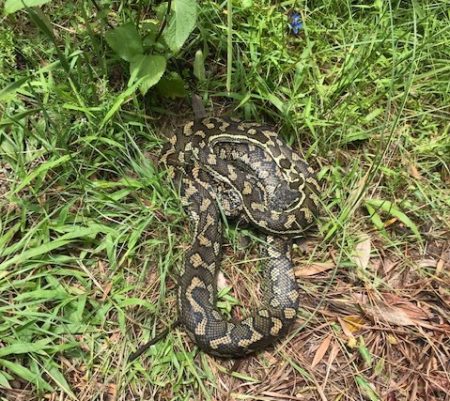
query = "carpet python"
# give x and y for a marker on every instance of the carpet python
(241, 170)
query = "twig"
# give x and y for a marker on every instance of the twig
(153, 341)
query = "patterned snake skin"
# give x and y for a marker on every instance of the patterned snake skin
(243, 171)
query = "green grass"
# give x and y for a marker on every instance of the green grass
(92, 235)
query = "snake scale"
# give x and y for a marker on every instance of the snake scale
(224, 166)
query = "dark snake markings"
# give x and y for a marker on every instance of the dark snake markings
(244, 171)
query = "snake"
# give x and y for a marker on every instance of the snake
(226, 168)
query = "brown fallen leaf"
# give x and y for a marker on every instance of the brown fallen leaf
(361, 255)
(393, 315)
(115, 337)
(440, 266)
(101, 265)
(411, 309)
(413, 172)
(351, 324)
(320, 352)
(106, 290)
(314, 268)
(427, 263)
(396, 310)
(221, 281)
(331, 357)
(333, 354)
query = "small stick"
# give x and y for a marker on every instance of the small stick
(136, 354)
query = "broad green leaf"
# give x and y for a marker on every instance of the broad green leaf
(245, 377)
(393, 210)
(150, 30)
(148, 69)
(124, 302)
(375, 217)
(118, 102)
(181, 23)
(61, 381)
(277, 102)
(40, 294)
(7, 237)
(42, 169)
(372, 115)
(78, 232)
(125, 41)
(364, 352)
(26, 374)
(4, 381)
(171, 86)
(23, 348)
(12, 88)
(11, 6)
(353, 136)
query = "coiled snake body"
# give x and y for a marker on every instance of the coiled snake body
(241, 170)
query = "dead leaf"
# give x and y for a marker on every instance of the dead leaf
(331, 357)
(323, 347)
(333, 354)
(413, 172)
(106, 290)
(396, 310)
(345, 328)
(440, 266)
(351, 324)
(390, 222)
(393, 315)
(101, 266)
(361, 255)
(411, 309)
(221, 281)
(314, 268)
(427, 263)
